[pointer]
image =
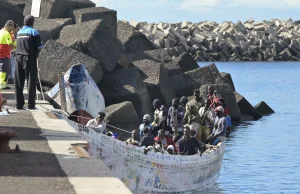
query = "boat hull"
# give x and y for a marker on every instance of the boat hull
(153, 172)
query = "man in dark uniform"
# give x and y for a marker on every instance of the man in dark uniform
(28, 45)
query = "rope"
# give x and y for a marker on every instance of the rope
(88, 119)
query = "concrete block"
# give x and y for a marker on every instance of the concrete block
(10, 11)
(49, 28)
(19, 3)
(245, 107)
(94, 38)
(57, 8)
(108, 16)
(132, 40)
(248, 26)
(122, 115)
(158, 55)
(156, 79)
(263, 108)
(56, 58)
(185, 83)
(227, 79)
(295, 34)
(239, 27)
(126, 85)
(135, 24)
(184, 24)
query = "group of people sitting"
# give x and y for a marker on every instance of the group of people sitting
(186, 128)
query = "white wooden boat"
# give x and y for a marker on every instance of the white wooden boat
(153, 172)
(82, 94)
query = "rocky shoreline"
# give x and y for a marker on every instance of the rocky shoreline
(274, 40)
(130, 69)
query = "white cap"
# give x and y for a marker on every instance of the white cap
(147, 117)
(220, 109)
(170, 147)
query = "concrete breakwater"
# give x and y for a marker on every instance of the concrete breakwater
(274, 40)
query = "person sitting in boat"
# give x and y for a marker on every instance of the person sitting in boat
(98, 123)
(146, 123)
(165, 140)
(162, 125)
(193, 133)
(156, 148)
(208, 116)
(134, 139)
(160, 112)
(226, 112)
(188, 145)
(171, 150)
(176, 111)
(220, 126)
(147, 139)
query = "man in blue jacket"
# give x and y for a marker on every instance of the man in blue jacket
(28, 45)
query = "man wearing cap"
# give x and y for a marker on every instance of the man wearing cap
(28, 45)
(98, 123)
(220, 126)
(6, 45)
(146, 123)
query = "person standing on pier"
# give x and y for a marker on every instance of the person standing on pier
(28, 45)
(6, 45)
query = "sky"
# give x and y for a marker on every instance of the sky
(202, 10)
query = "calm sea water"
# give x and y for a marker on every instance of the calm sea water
(264, 156)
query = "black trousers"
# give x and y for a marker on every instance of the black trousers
(26, 68)
(5, 66)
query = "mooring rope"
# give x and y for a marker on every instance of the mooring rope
(87, 119)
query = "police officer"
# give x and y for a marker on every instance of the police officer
(28, 45)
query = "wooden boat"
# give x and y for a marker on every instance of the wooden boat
(152, 172)
(83, 98)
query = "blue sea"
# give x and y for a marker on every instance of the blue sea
(264, 156)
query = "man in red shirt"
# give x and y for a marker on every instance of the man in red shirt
(6, 45)
(165, 140)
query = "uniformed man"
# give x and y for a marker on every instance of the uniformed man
(28, 45)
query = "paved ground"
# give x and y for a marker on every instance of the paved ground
(35, 170)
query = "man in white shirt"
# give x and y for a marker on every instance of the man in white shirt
(98, 123)
(207, 114)
(219, 131)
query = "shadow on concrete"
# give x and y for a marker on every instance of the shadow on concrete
(35, 134)
(30, 164)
